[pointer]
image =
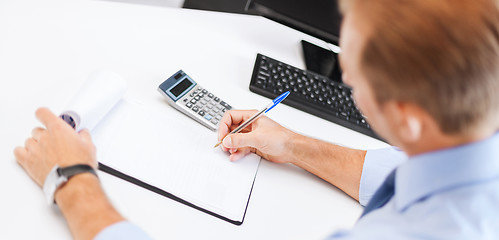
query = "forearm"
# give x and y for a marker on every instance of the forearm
(338, 165)
(85, 206)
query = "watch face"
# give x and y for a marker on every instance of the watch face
(50, 185)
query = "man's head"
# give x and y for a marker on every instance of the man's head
(423, 63)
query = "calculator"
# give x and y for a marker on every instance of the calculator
(187, 96)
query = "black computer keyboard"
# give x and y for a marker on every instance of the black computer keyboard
(310, 92)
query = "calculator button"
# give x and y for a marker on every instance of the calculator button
(219, 107)
(214, 121)
(203, 102)
(223, 110)
(199, 88)
(195, 108)
(218, 117)
(197, 98)
(225, 105)
(217, 99)
(204, 91)
(202, 113)
(213, 102)
(210, 95)
(186, 99)
(209, 106)
(212, 113)
(192, 94)
(215, 110)
(189, 105)
(193, 101)
(201, 95)
(208, 117)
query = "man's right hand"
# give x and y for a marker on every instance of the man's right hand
(338, 165)
(264, 137)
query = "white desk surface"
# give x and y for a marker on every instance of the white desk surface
(48, 48)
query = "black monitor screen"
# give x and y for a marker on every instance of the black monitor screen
(319, 18)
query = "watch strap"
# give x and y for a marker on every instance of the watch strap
(59, 176)
(70, 171)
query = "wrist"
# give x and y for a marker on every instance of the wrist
(85, 206)
(77, 185)
(59, 176)
(296, 143)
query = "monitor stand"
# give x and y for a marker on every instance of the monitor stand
(321, 61)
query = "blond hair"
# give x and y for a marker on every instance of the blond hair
(440, 54)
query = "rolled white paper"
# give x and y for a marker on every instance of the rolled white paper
(101, 91)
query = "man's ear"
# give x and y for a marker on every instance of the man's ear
(408, 119)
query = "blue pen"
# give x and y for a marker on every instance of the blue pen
(257, 115)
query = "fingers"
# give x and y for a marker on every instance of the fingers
(223, 130)
(231, 118)
(46, 117)
(36, 133)
(21, 155)
(85, 135)
(236, 117)
(239, 154)
(240, 140)
(30, 144)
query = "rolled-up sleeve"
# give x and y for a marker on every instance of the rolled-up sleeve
(122, 230)
(377, 165)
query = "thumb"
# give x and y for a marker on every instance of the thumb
(240, 140)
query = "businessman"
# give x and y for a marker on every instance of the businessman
(425, 73)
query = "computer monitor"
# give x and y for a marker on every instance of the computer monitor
(318, 18)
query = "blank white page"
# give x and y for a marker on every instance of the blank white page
(175, 156)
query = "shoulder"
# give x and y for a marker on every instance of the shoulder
(469, 212)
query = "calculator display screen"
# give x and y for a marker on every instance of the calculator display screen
(181, 87)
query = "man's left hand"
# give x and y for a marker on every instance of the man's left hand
(57, 143)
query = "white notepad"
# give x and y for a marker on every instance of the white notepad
(177, 157)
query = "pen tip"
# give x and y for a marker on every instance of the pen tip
(216, 145)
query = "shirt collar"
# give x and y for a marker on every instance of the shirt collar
(430, 173)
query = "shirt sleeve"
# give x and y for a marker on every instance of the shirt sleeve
(377, 165)
(122, 230)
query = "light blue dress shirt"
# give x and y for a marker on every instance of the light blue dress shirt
(122, 231)
(446, 194)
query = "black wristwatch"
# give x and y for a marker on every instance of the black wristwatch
(58, 176)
